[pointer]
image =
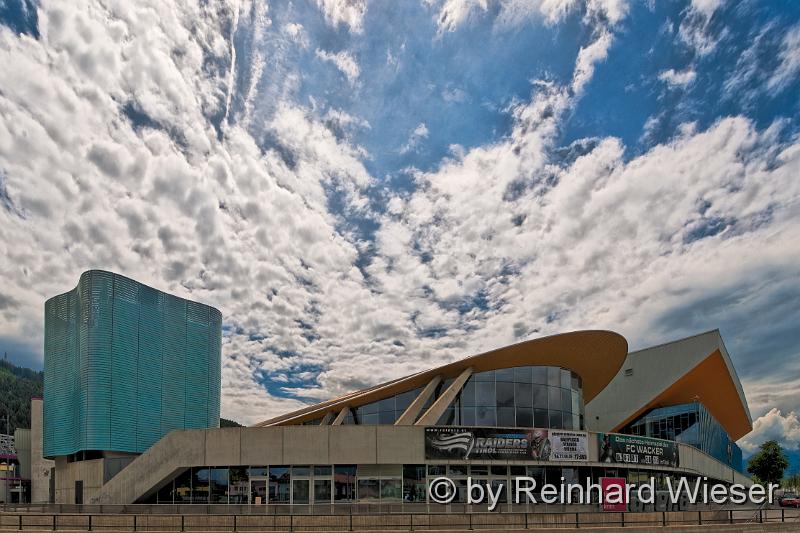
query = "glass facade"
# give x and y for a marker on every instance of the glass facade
(325, 485)
(528, 396)
(691, 424)
(125, 364)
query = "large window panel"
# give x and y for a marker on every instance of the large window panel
(219, 485)
(504, 394)
(554, 398)
(484, 394)
(322, 491)
(344, 483)
(369, 490)
(300, 491)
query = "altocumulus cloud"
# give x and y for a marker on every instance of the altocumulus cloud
(161, 140)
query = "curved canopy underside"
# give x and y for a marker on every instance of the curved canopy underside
(595, 355)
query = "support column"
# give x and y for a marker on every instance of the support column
(412, 411)
(436, 410)
(341, 416)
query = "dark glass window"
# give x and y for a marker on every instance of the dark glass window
(183, 487)
(344, 483)
(279, 484)
(437, 470)
(504, 374)
(555, 419)
(457, 470)
(523, 394)
(505, 394)
(239, 485)
(369, 409)
(368, 489)
(300, 491)
(554, 398)
(303, 470)
(540, 396)
(502, 397)
(540, 419)
(414, 489)
(524, 417)
(391, 490)
(322, 491)
(165, 493)
(566, 400)
(484, 394)
(539, 375)
(322, 470)
(499, 470)
(219, 485)
(258, 471)
(485, 416)
(505, 417)
(479, 470)
(485, 376)
(468, 394)
(468, 416)
(566, 378)
(522, 374)
(200, 485)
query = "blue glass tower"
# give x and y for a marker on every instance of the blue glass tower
(125, 364)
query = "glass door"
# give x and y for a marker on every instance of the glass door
(258, 491)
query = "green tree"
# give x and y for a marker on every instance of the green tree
(768, 463)
(792, 482)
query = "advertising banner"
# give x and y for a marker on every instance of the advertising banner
(615, 448)
(505, 443)
(615, 497)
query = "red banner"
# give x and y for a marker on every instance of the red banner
(615, 497)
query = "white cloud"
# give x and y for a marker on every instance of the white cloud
(695, 28)
(454, 13)
(347, 12)
(774, 425)
(418, 135)
(343, 61)
(789, 67)
(678, 78)
(484, 251)
(297, 33)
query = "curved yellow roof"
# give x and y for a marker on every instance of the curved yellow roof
(595, 355)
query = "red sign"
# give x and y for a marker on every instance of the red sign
(615, 497)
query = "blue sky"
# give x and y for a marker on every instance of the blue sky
(367, 189)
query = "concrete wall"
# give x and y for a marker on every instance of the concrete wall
(89, 472)
(287, 445)
(40, 467)
(22, 443)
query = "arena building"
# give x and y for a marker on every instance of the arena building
(569, 406)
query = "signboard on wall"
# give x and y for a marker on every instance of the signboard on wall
(615, 448)
(505, 444)
(615, 497)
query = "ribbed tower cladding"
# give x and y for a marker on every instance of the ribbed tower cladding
(125, 364)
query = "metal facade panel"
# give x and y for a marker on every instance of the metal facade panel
(125, 364)
(97, 430)
(151, 313)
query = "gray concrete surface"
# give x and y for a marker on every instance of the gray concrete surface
(286, 445)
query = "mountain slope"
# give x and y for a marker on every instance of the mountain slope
(18, 386)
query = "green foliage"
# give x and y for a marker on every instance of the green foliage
(769, 463)
(792, 482)
(19, 385)
(225, 423)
